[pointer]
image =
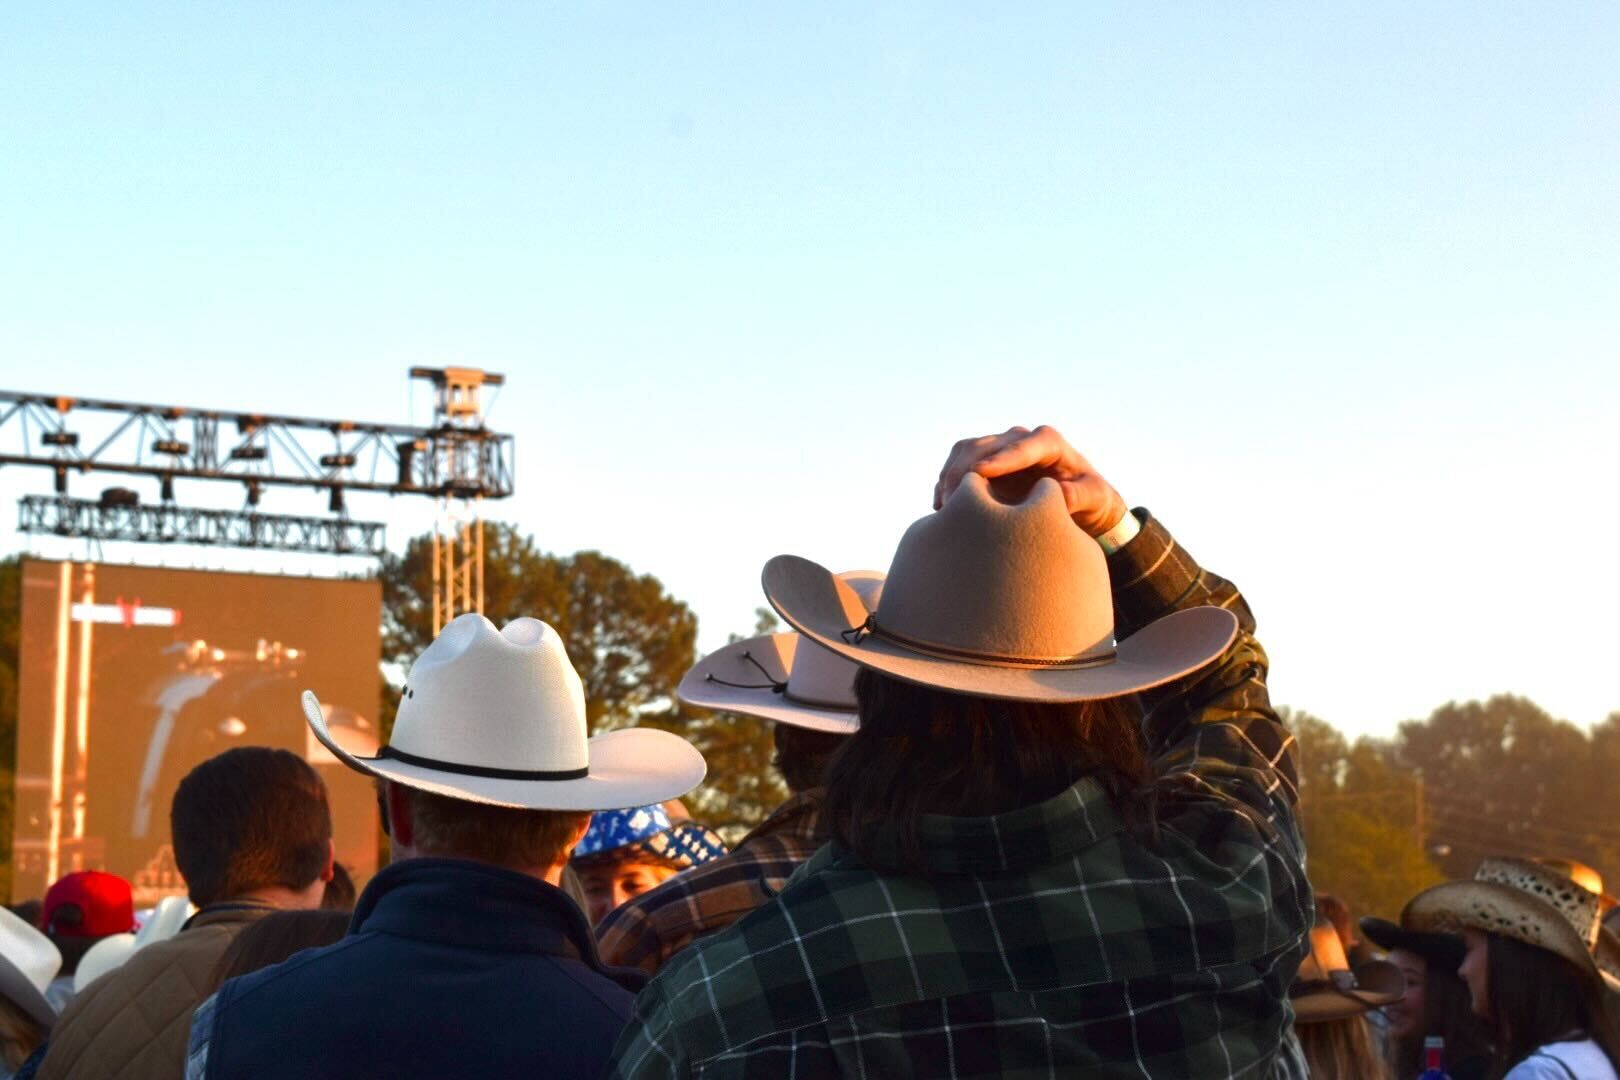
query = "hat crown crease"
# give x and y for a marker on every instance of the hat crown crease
(1042, 596)
(501, 699)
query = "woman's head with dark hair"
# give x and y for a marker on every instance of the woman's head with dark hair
(276, 937)
(802, 755)
(922, 751)
(1531, 996)
(1436, 1003)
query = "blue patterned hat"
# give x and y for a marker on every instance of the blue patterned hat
(647, 830)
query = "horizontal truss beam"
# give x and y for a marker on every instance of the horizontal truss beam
(170, 524)
(81, 435)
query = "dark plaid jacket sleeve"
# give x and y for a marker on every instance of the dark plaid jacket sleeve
(1217, 746)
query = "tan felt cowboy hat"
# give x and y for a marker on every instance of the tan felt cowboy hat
(1326, 988)
(28, 962)
(997, 599)
(1520, 899)
(783, 677)
(498, 717)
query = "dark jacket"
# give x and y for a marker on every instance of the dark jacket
(450, 968)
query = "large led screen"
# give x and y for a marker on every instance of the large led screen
(129, 676)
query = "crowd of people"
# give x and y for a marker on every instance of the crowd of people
(1041, 823)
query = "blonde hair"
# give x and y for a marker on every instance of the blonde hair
(20, 1035)
(1341, 1050)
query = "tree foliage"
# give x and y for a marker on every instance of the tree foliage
(629, 639)
(1359, 814)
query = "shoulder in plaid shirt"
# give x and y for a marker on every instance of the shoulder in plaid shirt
(1047, 941)
(661, 922)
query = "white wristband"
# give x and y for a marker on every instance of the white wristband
(1121, 534)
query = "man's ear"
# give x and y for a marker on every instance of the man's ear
(397, 801)
(331, 858)
(573, 841)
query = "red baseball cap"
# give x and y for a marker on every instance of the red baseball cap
(104, 903)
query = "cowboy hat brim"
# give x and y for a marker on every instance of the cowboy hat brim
(108, 954)
(628, 767)
(1498, 909)
(1606, 954)
(699, 687)
(1377, 984)
(16, 988)
(814, 602)
(1445, 949)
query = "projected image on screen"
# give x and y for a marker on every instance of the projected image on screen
(130, 676)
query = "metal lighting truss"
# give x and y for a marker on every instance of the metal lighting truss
(169, 524)
(456, 459)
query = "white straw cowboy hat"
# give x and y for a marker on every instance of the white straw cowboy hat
(783, 677)
(1327, 988)
(1520, 899)
(997, 599)
(28, 962)
(498, 716)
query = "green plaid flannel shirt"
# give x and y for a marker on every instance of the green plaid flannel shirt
(1044, 942)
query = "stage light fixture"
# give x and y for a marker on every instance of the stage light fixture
(60, 438)
(249, 453)
(335, 504)
(337, 461)
(171, 446)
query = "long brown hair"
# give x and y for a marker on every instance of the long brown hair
(20, 1035)
(1538, 997)
(925, 751)
(1448, 1012)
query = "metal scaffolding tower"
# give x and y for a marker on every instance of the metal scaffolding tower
(458, 535)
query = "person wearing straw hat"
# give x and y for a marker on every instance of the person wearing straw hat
(28, 962)
(1530, 933)
(1331, 1001)
(807, 695)
(1062, 839)
(1434, 1003)
(463, 958)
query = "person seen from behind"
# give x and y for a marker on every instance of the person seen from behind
(81, 909)
(463, 958)
(630, 851)
(1529, 934)
(1332, 1002)
(1063, 837)
(252, 834)
(807, 694)
(1434, 1003)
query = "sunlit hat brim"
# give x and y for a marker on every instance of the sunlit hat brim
(699, 688)
(628, 767)
(814, 602)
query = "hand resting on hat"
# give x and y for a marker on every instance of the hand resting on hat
(1093, 503)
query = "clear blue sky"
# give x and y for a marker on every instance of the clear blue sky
(1335, 292)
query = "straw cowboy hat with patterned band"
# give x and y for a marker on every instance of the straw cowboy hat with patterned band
(498, 716)
(1520, 899)
(783, 677)
(1326, 988)
(1000, 600)
(28, 962)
